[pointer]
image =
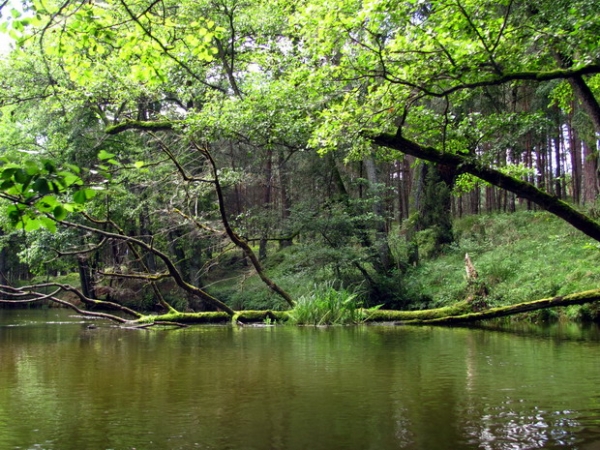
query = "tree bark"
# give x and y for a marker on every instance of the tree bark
(86, 277)
(590, 174)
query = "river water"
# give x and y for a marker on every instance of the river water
(64, 386)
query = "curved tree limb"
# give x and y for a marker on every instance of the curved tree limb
(523, 189)
(152, 279)
(175, 274)
(38, 296)
(503, 78)
(32, 289)
(238, 241)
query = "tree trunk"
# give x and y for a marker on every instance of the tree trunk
(86, 277)
(590, 174)
(146, 236)
(557, 166)
(385, 260)
(285, 201)
(262, 248)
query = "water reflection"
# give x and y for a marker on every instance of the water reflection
(294, 388)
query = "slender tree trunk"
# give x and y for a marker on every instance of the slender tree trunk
(576, 167)
(4, 269)
(146, 236)
(177, 249)
(384, 262)
(86, 277)
(285, 201)
(405, 186)
(268, 183)
(590, 174)
(558, 173)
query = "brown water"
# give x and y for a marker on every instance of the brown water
(63, 386)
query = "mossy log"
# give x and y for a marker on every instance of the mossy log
(579, 298)
(212, 317)
(383, 315)
(458, 314)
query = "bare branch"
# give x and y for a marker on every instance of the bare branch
(175, 274)
(237, 240)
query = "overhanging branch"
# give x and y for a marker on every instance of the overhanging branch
(507, 77)
(465, 164)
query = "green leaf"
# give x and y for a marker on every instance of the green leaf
(73, 168)
(7, 184)
(14, 214)
(83, 196)
(49, 166)
(59, 212)
(32, 168)
(70, 179)
(48, 223)
(103, 155)
(8, 173)
(22, 177)
(32, 224)
(46, 204)
(42, 186)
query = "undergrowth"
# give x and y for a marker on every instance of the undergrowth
(326, 305)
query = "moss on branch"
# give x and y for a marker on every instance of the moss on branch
(459, 313)
(154, 125)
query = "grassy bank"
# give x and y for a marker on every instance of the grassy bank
(520, 257)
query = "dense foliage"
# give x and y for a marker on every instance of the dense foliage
(228, 154)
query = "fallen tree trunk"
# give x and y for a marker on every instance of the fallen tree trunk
(458, 314)
(579, 298)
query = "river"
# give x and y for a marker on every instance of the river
(64, 386)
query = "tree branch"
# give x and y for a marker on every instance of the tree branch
(157, 125)
(465, 164)
(558, 74)
(175, 274)
(238, 241)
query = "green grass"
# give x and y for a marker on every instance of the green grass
(326, 305)
(520, 257)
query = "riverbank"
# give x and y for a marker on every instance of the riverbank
(519, 257)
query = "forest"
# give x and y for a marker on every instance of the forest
(172, 162)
